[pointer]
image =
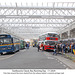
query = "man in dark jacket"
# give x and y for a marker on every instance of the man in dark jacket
(38, 47)
(55, 49)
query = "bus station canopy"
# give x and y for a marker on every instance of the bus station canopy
(29, 21)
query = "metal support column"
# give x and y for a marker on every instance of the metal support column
(68, 34)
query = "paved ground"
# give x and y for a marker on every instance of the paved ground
(31, 59)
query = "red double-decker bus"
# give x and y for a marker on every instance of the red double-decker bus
(48, 40)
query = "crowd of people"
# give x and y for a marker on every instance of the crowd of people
(64, 48)
(61, 47)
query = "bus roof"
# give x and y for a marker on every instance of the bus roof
(5, 36)
(48, 32)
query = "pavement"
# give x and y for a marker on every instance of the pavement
(70, 56)
(66, 60)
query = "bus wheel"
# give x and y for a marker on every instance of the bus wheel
(1, 53)
(18, 50)
(13, 52)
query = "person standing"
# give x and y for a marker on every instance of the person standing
(64, 47)
(60, 47)
(72, 47)
(42, 46)
(68, 48)
(38, 47)
(55, 49)
(27, 45)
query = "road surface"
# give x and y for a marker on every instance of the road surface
(31, 59)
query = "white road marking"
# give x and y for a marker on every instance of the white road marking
(6, 57)
(64, 65)
(67, 68)
(60, 62)
(50, 57)
(55, 59)
(47, 54)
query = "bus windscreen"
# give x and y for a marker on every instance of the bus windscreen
(50, 42)
(52, 35)
(5, 41)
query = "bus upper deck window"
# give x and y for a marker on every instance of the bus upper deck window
(1, 41)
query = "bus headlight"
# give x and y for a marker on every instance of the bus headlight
(9, 47)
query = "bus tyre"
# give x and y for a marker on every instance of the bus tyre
(13, 52)
(18, 50)
(1, 53)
